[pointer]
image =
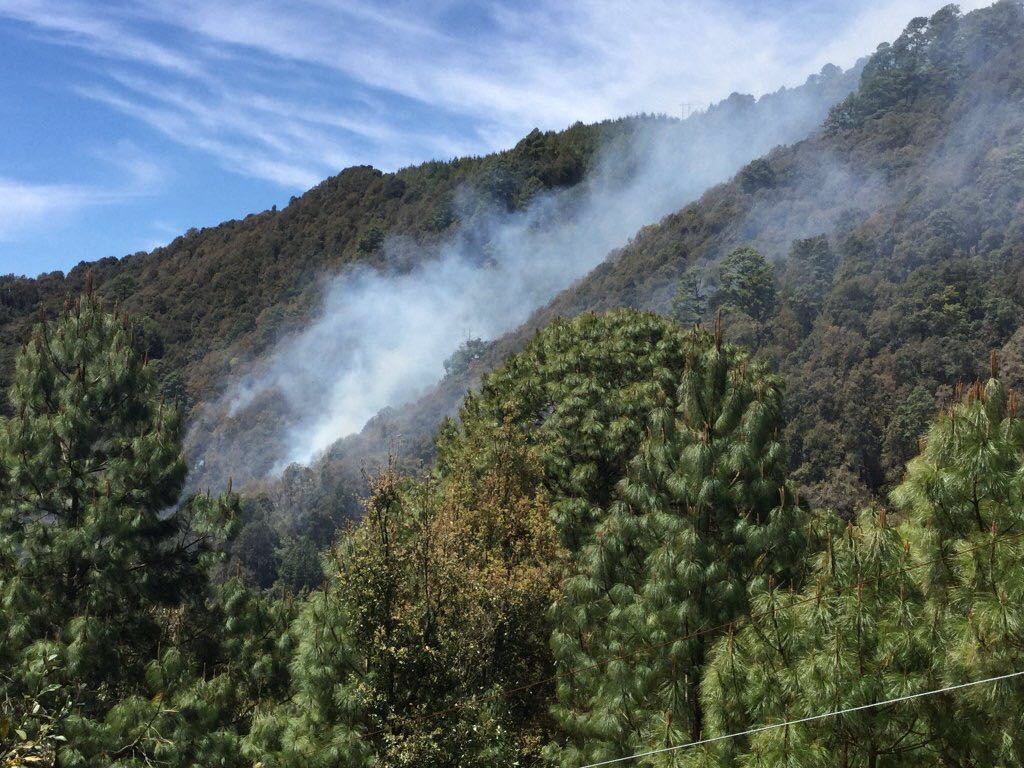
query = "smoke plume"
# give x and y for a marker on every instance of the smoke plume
(381, 336)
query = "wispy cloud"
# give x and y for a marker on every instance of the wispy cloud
(85, 27)
(25, 205)
(292, 90)
(247, 148)
(28, 205)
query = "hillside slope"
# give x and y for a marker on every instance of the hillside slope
(379, 338)
(214, 299)
(914, 187)
(221, 295)
(896, 239)
(211, 308)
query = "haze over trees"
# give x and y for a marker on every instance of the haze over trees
(757, 482)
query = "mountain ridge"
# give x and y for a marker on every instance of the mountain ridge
(637, 178)
(899, 105)
(340, 221)
(918, 127)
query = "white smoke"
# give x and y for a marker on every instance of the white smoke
(381, 336)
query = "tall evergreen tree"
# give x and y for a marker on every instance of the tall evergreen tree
(580, 392)
(104, 586)
(704, 511)
(859, 633)
(690, 302)
(92, 460)
(965, 497)
(746, 283)
(810, 269)
(892, 611)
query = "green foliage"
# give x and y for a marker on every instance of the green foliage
(927, 59)
(746, 283)
(467, 354)
(371, 240)
(757, 175)
(703, 512)
(620, 468)
(434, 604)
(917, 195)
(115, 646)
(690, 608)
(964, 499)
(690, 303)
(256, 549)
(344, 219)
(92, 460)
(909, 424)
(892, 611)
(809, 272)
(298, 568)
(858, 634)
(288, 522)
(581, 392)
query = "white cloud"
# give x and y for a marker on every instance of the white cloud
(291, 90)
(84, 26)
(28, 205)
(554, 62)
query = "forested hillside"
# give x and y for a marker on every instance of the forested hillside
(893, 244)
(215, 297)
(212, 308)
(749, 494)
(888, 256)
(608, 560)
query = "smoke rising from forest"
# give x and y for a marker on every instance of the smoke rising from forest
(381, 336)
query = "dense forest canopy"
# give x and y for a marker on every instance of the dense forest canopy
(511, 607)
(873, 264)
(750, 494)
(215, 304)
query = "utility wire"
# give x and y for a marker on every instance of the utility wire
(408, 719)
(798, 721)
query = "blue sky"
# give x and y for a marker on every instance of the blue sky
(126, 123)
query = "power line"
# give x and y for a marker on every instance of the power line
(798, 721)
(409, 719)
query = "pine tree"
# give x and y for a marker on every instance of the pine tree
(858, 633)
(104, 578)
(690, 302)
(746, 282)
(810, 269)
(890, 611)
(965, 496)
(704, 511)
(580, 392)
(92, 461)
(434, 606)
